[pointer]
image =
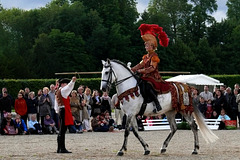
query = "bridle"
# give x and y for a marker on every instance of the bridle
(112, 73)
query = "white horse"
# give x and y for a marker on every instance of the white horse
(118, 72)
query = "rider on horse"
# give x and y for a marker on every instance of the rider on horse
(151, 83)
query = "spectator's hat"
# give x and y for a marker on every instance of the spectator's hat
(148, 34)
(63, 80)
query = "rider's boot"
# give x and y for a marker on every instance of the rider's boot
(155, 99)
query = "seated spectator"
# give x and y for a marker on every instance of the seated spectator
(209, 110)
(50, 125)
(7, 126)
(202, 106)
(99, 124)
(110, 121)
(33, 126)
(77, 127)
(20, 125)
(223, 118)
(214, 115)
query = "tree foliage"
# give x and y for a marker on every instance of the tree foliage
(69, 36)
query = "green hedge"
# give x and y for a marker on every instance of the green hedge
(35, 84)
(14, 85)
(228, 80)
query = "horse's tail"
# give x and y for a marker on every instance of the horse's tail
(207, 134)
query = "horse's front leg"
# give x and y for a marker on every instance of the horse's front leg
(135, 132)
(126, 134)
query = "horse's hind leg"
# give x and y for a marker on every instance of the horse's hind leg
(135, 132)
(189, 118)
(173, 126)
(126, 134)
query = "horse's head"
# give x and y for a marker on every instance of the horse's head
(108, 76)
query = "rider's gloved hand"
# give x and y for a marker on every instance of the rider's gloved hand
(137, 73)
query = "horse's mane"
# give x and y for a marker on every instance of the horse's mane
(121, 63)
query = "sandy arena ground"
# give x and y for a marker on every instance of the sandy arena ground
(105, 146)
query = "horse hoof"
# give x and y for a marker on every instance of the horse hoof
(146, 152)
(163, 150)
(194, 152)
(120, 153)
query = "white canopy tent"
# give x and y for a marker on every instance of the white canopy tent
(197, 80)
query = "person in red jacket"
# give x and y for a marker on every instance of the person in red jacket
(21, 107)
(62, 105)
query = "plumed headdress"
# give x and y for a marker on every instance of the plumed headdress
(148, 34)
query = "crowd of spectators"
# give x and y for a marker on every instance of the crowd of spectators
(35, 114)
(223, 103)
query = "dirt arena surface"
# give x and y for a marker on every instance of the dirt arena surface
(92, 145)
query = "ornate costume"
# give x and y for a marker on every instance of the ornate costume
(152, 83)
(65, 114)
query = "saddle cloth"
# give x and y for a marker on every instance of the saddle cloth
(181, 97)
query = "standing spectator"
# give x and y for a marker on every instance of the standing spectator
(219, 102)
(82, 97)
(196, 97)
(202, 106)
(236, 86)
(4, 89)
(106, 103)
(75, 105)
(228, 96)
(223, 89)
(33, 126)
(214, 93)
(51, 94)
(26, 92)
(21, 107)
(89, 101)
(7, 125)
(50, 125)
(234, 105)
(20, 125)
(44, 105)
(96, 107)
(32, 105)
(85, 117)
(118, 111)
(238, 103)
(206, 94)
(5, 104)
(40, 92)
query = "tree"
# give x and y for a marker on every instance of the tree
(233, 12)
(200, 18)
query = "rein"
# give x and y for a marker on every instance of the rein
(109, 80)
